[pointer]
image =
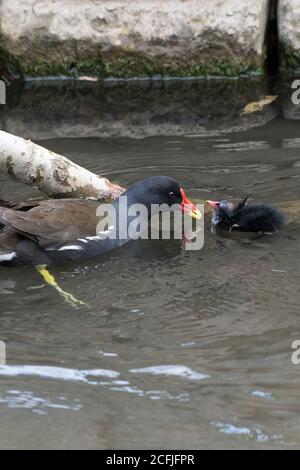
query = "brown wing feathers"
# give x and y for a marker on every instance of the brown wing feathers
(54, 222)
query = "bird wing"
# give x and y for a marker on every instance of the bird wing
(9, 239)
(17, 206)
(54, 222)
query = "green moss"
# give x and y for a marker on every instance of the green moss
(225, 68)
(10, 167)
(8, 62)
(290, 59)
(132, 66)
(121, 63)
(43, 68)
(118, 63)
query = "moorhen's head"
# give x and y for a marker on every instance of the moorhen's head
(224, 212)
(243, 217)
(161, 190)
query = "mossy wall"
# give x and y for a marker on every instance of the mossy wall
(125, 38)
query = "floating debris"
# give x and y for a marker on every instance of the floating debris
(257, 106)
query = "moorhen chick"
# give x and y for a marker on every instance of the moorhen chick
(243, 217)
(55, 230)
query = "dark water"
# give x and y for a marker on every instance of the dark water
(180, 349)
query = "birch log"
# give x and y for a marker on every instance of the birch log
(53, 174)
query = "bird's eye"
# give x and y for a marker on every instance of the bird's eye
(171, 194)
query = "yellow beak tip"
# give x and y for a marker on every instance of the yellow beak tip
(196, 215)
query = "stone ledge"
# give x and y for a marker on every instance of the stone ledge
(289, 34)
(124, 38)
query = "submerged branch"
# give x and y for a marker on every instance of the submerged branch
(53, 174)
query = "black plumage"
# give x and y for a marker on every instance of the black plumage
(243, 217)
(55, 230)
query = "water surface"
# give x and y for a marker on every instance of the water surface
(180, 349)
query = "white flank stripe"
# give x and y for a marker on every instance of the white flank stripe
(70, 247)
(96, 238)
(88, 239)
(7, 257)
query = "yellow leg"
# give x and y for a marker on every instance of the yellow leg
(50, 280)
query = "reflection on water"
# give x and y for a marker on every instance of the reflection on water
(238, 146)
(253, 434)
(180, 349)
(16, 399)
(133, 109)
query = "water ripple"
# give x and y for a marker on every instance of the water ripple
(57, 373)
(177, 371)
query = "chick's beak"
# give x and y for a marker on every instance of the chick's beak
(214, 204)
(188, 207)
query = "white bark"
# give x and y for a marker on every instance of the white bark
(49, 172)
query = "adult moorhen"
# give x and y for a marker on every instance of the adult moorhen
(243, 217)
(66, 229)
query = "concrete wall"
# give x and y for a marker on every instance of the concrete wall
(125, 38)
(135, 37)
(289, 34)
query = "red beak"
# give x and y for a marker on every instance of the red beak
(214, 204)
(188, 207)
